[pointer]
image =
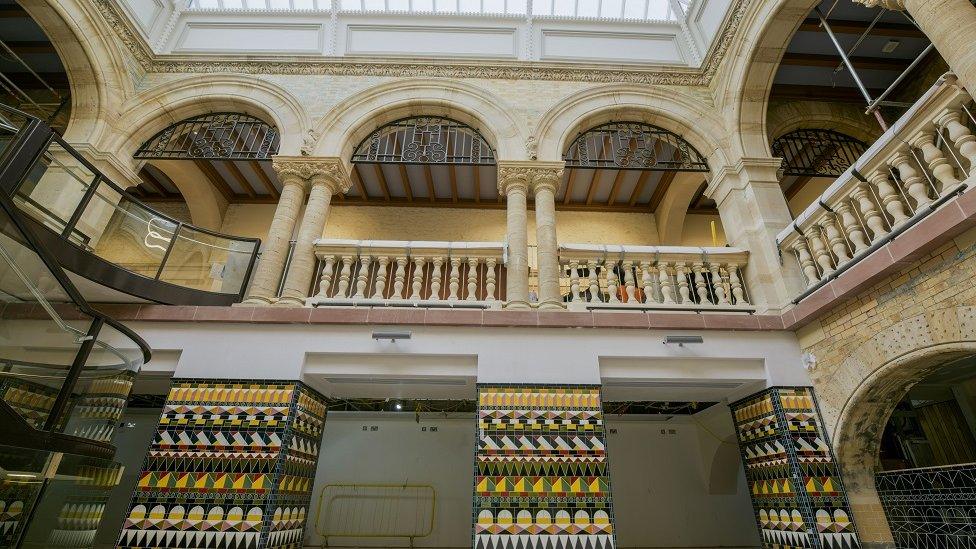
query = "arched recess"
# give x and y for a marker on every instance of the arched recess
(813, 158)
(351, 121)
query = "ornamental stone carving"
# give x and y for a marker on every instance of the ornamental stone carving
(313, 171)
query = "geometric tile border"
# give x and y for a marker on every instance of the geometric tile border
(796, 489)
(231, 467)
(542, 479)
(930, 508)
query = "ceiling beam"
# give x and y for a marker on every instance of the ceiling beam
(832, 61)
(8, 12)
(639, 187)
(591, 189)
(27, 81)
(357, 179)
(216, 180)
(429, 179)
(616, 187)
(569, 185)
(452, 176)
(382, 179)
(840, 26)
(265, 180)
(797, 186)
(405, 181)
(661, 189)
(235, 172)
(30, 46)
(820, 93)
(471, 204)
(151, 181)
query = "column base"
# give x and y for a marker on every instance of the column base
(290, 302)
(254, 300)
(517, 305)
(552, 305)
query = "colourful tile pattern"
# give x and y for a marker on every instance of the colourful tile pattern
(541, 474)
(231, 467)
(796, 488)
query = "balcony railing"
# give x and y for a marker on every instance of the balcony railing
(921, 162)
(404, 273)
(653, 277)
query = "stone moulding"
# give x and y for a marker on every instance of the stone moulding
(152, 62)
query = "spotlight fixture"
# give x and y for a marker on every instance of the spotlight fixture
(681, 340)
(391, 336)
(398, 406)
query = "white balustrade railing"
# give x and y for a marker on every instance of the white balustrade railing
(653, 277)
(926, 157)
(396, 272)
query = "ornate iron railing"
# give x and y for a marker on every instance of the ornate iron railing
(633, 146)
(817, 153)
(215, 136)
(425, 140)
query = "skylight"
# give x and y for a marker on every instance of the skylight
(635, 10)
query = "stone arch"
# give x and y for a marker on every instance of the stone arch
(691, 119)
(788, 116)
(95, 68)
(346, 125)
(150, 112)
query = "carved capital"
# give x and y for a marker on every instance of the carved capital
(313, 171)
(896, 5)
(529, 175)
(513, 179)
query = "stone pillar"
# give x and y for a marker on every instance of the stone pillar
(753, 211)
(327, 177)
(513, 182)
(196, 474)
(270, 268)
(950, 25)
(544, 492)
(545, 181)
(795, 483)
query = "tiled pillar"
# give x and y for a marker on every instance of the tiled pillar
(542, 480)
(231, 467)
(796, 487)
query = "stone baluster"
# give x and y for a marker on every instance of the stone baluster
(890, 199)
(852, 228)
(574, 281)
(594, 281)
(399, 278)
(835, 238)
(646, 282)
(913, 181)
(939, 165)
(700, 286)
(455, 279)
(806, 261)
(435, 278)
(630, 288)
(325, 281)
(383, 263)
(820, 252)
(962, 138)
(490, 280)
(680, 271)
(418, 278)
(612, 282)
(718, 284)
(362, 276)
(735, 283)
(472, 279)
(664, 277)
(344, 277)
(872, 217)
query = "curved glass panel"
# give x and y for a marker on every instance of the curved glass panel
(425, 140)
(633, 146)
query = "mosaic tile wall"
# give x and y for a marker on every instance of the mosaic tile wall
(541, 474)
(796, 489)
(230, 467)
(930, 508)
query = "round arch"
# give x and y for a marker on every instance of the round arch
(346, 125)
(788, 116)
(692, 120)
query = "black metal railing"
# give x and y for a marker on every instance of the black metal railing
(99, 230)
(633, 146)
(425, 140)
(817, 153)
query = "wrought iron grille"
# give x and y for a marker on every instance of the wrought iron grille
(425, 140)
(817, 153)
(633, 146)
(216, 136)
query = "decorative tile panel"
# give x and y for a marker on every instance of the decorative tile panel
(231, 467)
(930, 508)
(796, 489)
(541, 473)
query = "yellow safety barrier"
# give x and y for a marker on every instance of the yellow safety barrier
(375, 511)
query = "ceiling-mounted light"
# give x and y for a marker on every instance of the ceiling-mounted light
(890, 46)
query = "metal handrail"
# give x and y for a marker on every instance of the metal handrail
(409, 536)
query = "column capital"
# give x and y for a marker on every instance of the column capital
(529, 175)
(745, 172)
(896, 5)
(312, 171)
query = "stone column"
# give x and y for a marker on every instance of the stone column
(545, 181)
(328, 176)
(272, 264)
(513, 182)
(753, 211)
(950, 25)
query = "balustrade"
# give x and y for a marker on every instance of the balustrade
(653, 277)
(924, 159)
(392, 273)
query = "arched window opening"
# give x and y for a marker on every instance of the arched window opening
(424, 160)
(812, 159)
(215, 136)
(633, 146)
